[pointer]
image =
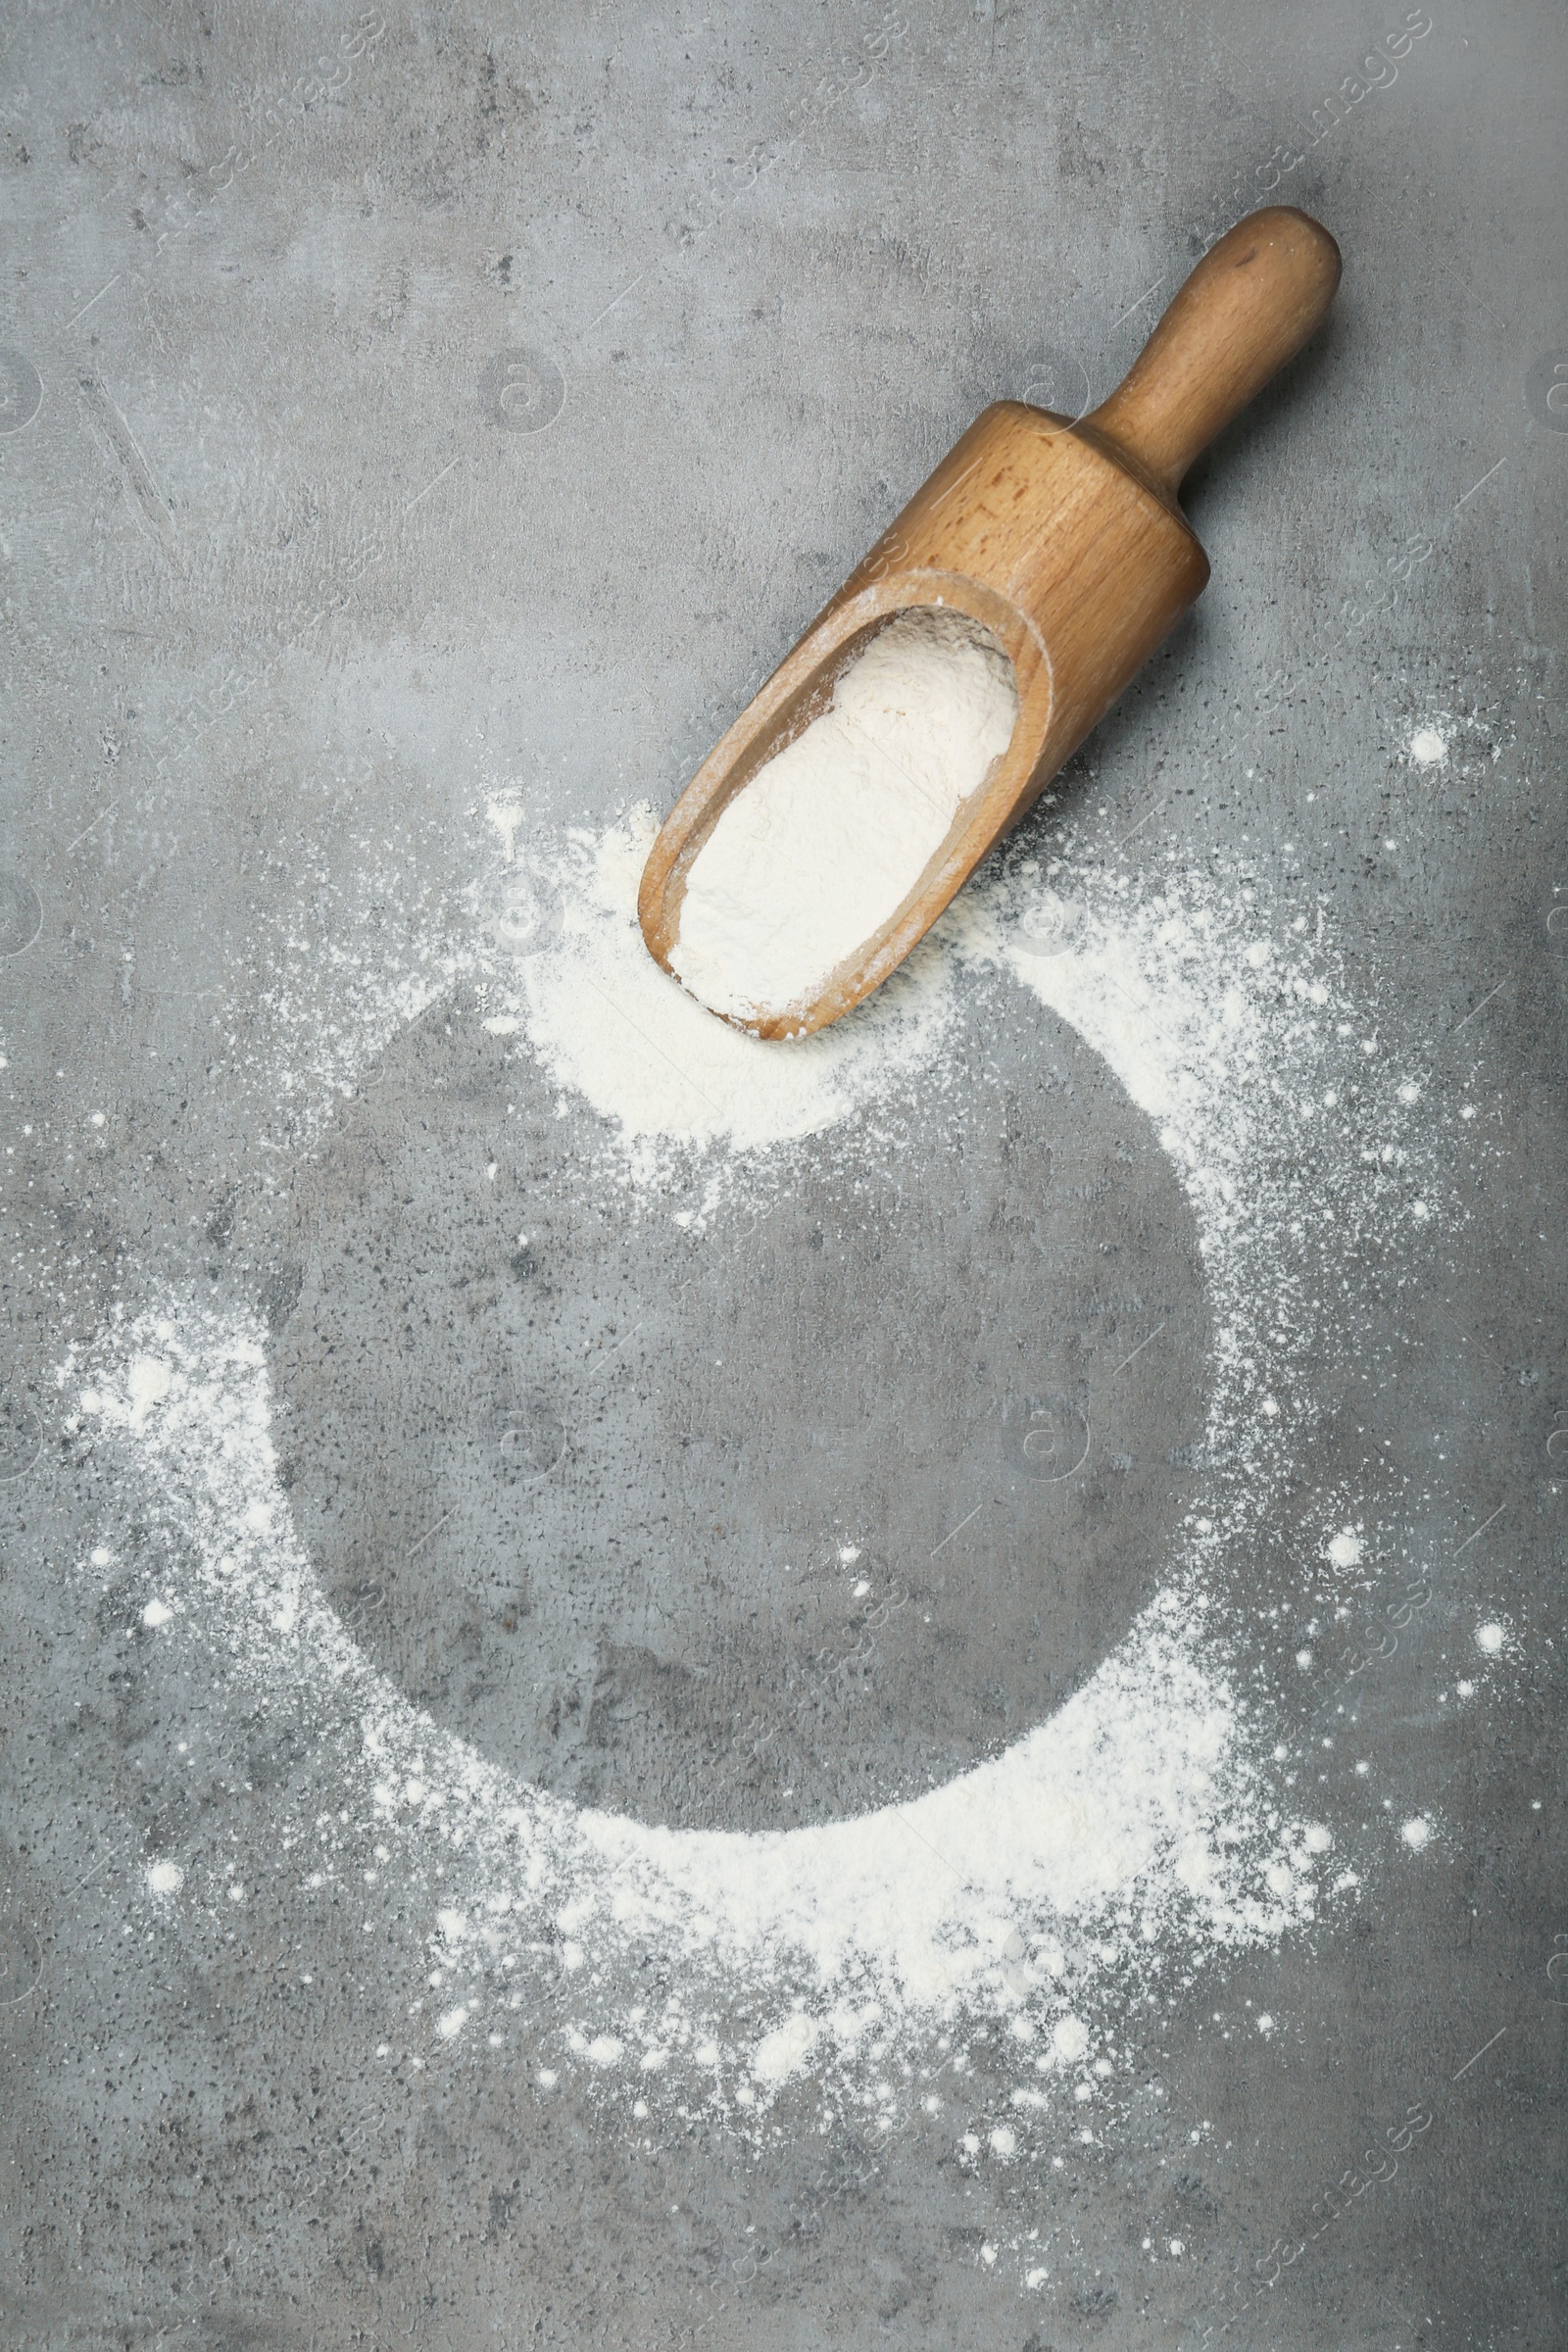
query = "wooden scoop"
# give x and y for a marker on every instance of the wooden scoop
(1064, 540)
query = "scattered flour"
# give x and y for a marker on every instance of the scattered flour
(785, 2050)
(148, 1385)
(609, 1026)
(822, 847)
(1136, 1799)
(1142, 1825)
(1069, 2038)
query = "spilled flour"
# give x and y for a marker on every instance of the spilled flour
(822, 847)
(609, 1026)
(1142, 1825)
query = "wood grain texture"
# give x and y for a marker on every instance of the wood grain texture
(1247, 307)
(1065, 540)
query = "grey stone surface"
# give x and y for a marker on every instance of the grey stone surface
(718, 1413)
(508, 406)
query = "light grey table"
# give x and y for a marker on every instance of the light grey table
(394, 410)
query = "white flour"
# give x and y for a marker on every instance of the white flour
(1135, 1807)
(1142, 1826)
(581, 990)
(820, 849)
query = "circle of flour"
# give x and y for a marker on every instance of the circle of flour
(1139, 1813)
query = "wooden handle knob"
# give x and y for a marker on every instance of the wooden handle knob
(1247, 307)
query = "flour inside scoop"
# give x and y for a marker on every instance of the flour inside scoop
(812, 858)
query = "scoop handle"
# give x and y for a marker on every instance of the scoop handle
(1247, 307)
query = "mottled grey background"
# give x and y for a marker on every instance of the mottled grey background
(505, 409)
